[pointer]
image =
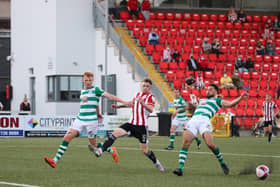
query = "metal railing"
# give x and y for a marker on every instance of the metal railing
(100, 20)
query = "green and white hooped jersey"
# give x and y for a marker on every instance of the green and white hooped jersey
(88, 109)
(208, 107)
(180, 103)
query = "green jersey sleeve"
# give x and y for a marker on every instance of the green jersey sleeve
(99, 92)
(219, 102)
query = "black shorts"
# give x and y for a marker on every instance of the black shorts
(266, 123)
(139, 132)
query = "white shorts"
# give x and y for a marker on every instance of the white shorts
(177, 122)
(90, 126)
(199, 124)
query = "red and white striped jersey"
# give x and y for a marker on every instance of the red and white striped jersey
(139, 113)
(268, 109)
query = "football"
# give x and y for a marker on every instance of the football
(262, 172)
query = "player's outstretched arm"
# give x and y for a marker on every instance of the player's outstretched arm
(115, 98)
(226, 103)
(129, 105)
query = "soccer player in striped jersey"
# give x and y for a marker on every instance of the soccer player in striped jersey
(86, 120)
(179, 117)
(142, 105)
(269, 116)
(200, 123)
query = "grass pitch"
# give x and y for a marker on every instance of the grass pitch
(21, 161)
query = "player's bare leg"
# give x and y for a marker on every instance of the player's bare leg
(150, 154)
(188, 137)
(209, 140)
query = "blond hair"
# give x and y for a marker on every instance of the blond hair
(88, 74)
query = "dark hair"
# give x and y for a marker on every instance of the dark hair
(147, 80)
(215, 86)
(190, 81)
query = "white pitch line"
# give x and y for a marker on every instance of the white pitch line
(202, 153)
(16, 184)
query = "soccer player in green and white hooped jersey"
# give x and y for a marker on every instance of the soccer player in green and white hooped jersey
(200, 122)
(86, 120)
(179, 117)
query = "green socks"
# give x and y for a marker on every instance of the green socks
(219, 155)
(62, 148)
(182, 157)
(197, 140)
(172, 139)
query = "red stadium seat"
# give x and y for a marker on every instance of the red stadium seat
(246, 26)
(224, 92)
(263, 84)
(187, 49)
(178, 16)
(143, 40)
(159, 48)
(277, 101)
(234, 41)
(211, 25)
(124, 15)
(194, 24)
(189, 73)
(242, 50)
(229, 67)
(182, 32)
(222, 58)
(237, 25)
(180, 74)
(130, 24)
(259, 102)
(212, 57)
(224, 49)
(233, 93)
(246, 75)
(157, 23)
(252, 93)
(204, 17)
(239, 112)
(273, 76)
(218, 33)
(272, 84)
(266, 67)
(166, 23)
(222, 17)
(251, 50)
(264, 76)
(185, 24)
(209, 33)
(277, 50)
(152, 15)
(227, 33)
(258, 112)
(243, 42)
(276, 59)
(195, 92)
(182, 65)
(255, 26)
(252, 42)
(169, 16)
(220, 67)
(191, 33)
(248, 123)
(254, 84)
(187, 16)
(149, 49)
(203, 93)
(256, 18)
(200, 33)
(232, 50)
(163, 66)
(203, 25)
(196, 17)
(208, 74)
(173, 66)
(264, 18)
(229, 25)
(176, 24)
(258, 58)
(267, 58)
(140, 23)
(220, 25)
(272, 93)
(156, 57)
(136, 32)
(185, 94)
(170, 76)
(196, 49)
(160, 16)
(225, 42)
(262, 93)
(257, 67)
(275, 67)
(177, 84)
(249, 112)
(213, 17)
(254, 34)
(236, 33)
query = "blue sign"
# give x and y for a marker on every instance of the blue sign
(11, 133)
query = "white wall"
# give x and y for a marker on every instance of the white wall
(49, 36)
